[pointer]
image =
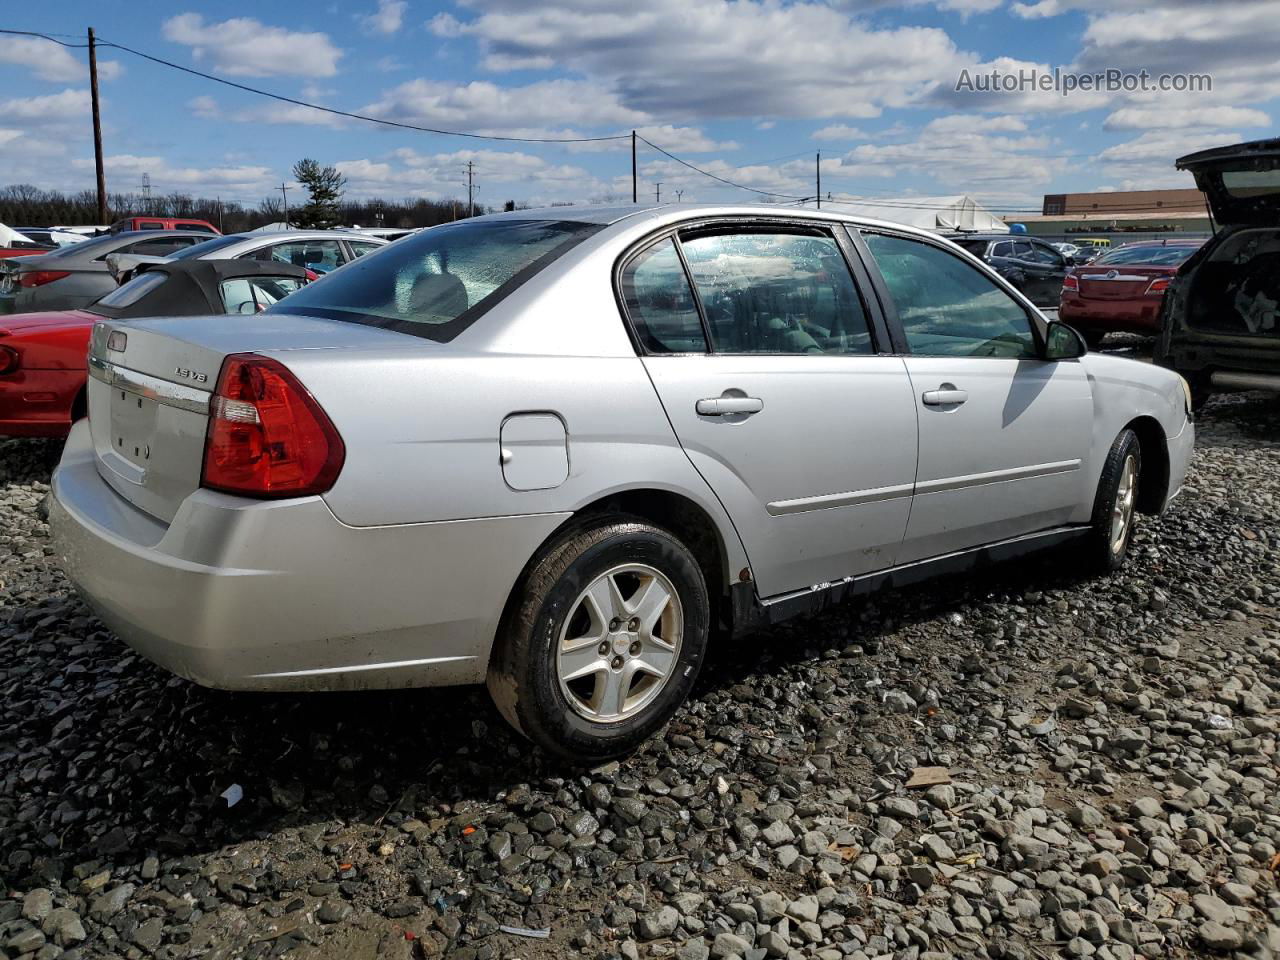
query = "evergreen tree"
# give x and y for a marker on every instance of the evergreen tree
(324, 184)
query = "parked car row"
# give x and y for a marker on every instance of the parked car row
(558, 453)
(42, 355)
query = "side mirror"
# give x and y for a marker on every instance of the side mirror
(1061, 342)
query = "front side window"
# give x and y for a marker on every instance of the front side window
(253, 294)
(660, 303)
(948, 308)
(777, 293)
(319, 256)
(437, 282)
(1042, 253)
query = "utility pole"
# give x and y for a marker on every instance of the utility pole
(471, 190)
(679, 194)
(657, 192)
(635, 197)
(146, 193)
(284, 195)
(97, 129)
(220, 215)
(817, 171)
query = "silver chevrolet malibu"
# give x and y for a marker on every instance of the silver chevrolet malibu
(564, 452)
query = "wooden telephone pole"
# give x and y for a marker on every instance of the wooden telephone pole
(97, 129)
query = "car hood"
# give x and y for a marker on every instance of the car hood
(46, 322)
(1242, 181)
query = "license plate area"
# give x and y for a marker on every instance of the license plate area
(133, 428)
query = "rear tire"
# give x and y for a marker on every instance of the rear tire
(603, 640)
(1114, 508)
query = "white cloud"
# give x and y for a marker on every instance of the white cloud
(51, 62)
(838, 131)
(386, 19)
(1171, 117)
(482, 107)
(243, 46)
(54, 108)
(204, 106)
(128, 168)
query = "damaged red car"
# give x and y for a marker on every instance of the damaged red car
(43, 355)
(1121, 291)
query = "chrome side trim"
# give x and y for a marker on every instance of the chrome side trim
(997, 476)
(780, 508)
(357, 668)
(145, 385)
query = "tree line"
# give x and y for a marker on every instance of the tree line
(26, 205)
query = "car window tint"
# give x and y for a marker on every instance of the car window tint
(127, 294)
(660, 303)
(319, 256)
(947, 307)
(158, 246)
(1042, 253)
(1002, 250)
(1161, 256)
(777, 293)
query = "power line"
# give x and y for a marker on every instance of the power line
(706, 173)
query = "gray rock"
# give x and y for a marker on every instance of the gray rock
(728, 945)
(658, 923)
(1215, 936)
(803, 909)
(110, 903)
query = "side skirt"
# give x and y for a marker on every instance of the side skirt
(751, 613)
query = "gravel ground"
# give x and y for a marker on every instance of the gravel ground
(1110, 747)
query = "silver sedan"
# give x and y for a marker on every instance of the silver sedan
(562, 453)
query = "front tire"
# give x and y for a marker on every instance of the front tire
(603, 641)
(1114, 508)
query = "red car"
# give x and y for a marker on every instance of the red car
(1122, 289)
(162, 223)
(43, 355)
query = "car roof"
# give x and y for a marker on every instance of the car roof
(654, 216)
(301, 235)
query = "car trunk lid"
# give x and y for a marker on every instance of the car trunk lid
(1241, 182)
(1121, 282)
(151, 383)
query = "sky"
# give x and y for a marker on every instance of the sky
(750, 90)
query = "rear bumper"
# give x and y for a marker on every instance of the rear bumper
(280, 595)
(1135, 316)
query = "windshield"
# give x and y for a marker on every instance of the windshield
(198, 250)
(438, 282)
(1160, 256)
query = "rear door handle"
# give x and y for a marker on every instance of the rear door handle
(945, 395)
(721, 406)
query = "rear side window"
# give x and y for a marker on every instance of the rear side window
(160, 246)
(253, 294)
(782, 293)
(660, 303)
(438, 282)
(948, 308)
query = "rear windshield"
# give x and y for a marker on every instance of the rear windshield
(1252, 183)
(86, 247)
(438, 282)
(1155, 256)
(198, 250)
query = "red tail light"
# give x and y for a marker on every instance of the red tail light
(38, 278)
(1159, 285)
(9, 359)
(1070, 283)
(267, 436)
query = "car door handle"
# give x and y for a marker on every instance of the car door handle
(945, 395)
(722, 406)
